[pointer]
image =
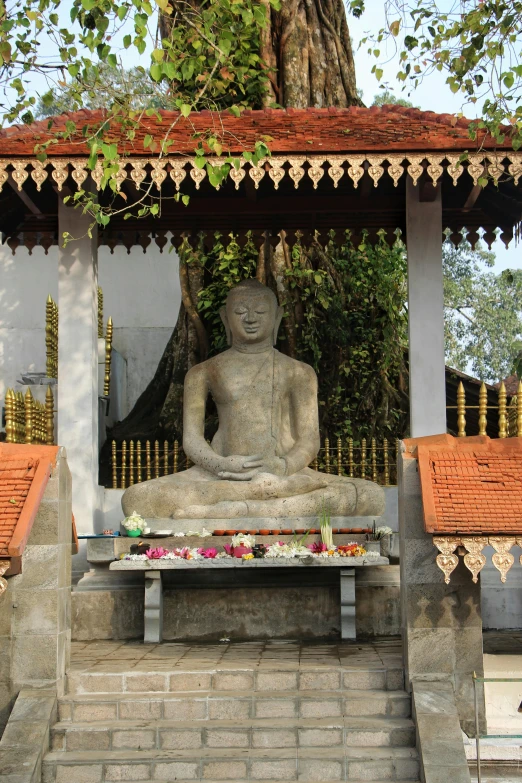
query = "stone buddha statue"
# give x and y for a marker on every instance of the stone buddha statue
(268, 433)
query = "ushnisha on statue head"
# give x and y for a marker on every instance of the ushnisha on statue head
(251, 316)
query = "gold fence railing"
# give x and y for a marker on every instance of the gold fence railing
(27, 420)
(509, 415)
(51, 338)
(136, 461)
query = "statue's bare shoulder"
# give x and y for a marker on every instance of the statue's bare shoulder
(297, 371)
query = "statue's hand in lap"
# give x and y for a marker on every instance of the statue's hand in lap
(246, 468)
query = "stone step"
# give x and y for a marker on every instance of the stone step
(233, 705)
(307, 764)
(266, 680)
(256, 733)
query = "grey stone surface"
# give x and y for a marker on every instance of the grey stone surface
(256, 465)
(441, 624)
(439, 738)
(35, 609)
(153, 605)
(233, 563)
(348, 603)
(25, 739)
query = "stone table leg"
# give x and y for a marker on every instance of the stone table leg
(348, 603)
(153, 606)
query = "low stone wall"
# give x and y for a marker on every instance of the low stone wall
(204, 606)
(35, 608)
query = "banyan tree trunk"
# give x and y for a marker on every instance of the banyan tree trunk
(306, 47)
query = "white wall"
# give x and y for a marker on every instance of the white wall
(141, 293)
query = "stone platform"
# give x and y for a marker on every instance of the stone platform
(279, 711)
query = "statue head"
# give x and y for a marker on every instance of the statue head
(251, 314)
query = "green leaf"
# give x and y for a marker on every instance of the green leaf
(185, 109)
(158, 55)
(156, 72)
(185, 200)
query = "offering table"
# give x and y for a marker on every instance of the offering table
(153, 570)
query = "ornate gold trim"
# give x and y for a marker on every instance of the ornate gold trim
(296, 167)
(4, 565)
(447, 561)
(474, 560)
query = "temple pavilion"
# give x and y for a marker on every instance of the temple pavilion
(380, 169)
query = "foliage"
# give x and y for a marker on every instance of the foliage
(386, 97)
(483, 313)
(136, 83)
(476, 43)
(351, 325)
(210, 59)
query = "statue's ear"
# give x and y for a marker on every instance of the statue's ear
(223, 316)
(277, 324)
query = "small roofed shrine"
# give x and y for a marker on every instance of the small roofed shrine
(391, 171)
(472, 499)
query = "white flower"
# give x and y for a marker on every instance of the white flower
(287, 551)
(133, 522)
(179, 534)
(243, 539)
(371, 555)
(384, 530)
(199, 533)
(135, 557)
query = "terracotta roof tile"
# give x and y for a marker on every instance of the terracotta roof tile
(16, 477)
(470, 487)
(24, 471)
(301, 131)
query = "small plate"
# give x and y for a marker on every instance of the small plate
(157, 534)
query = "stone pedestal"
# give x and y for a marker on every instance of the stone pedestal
(441, 624)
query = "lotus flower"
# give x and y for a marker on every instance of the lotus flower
(184, 553)
(239, 551)
(317, 547)
(229, 549)
(209, 553)
(155, 554)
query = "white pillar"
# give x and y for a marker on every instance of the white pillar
(78, 361)
(425, 313)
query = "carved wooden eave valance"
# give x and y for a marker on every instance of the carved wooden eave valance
(4, 566)
(335, 167)
(470, 547)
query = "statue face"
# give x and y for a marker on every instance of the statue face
(251, 317)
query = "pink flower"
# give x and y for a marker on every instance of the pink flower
(155, 554)
(184, 553)
(281, 543)
(239, 551)
(317, 547)
(229, 549)
(208, 553)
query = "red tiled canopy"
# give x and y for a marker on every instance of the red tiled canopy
(302, 131)
(24, 472)
(472, 486)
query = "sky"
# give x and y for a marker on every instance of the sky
(432, 95)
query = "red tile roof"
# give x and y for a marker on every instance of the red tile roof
(24, 472)
(471, 485)
(300, 131)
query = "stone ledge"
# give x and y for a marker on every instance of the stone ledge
(26, 737)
